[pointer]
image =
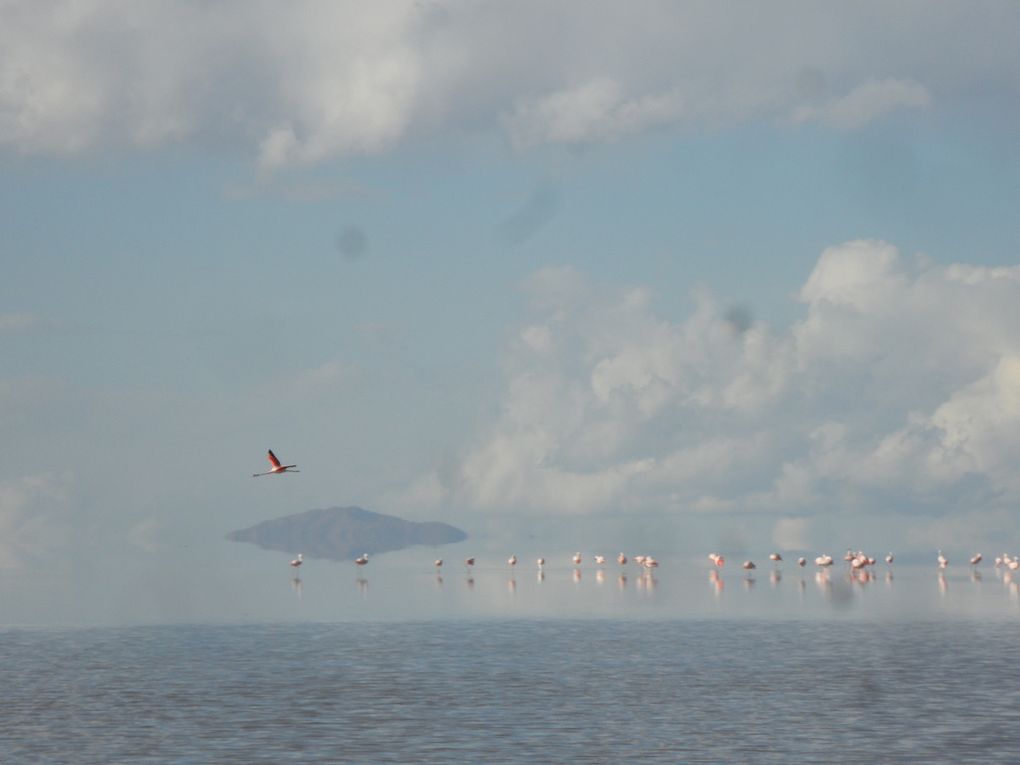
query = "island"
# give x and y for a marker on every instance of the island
(344, 533)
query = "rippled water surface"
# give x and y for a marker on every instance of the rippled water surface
(509, 691)
(222, 655)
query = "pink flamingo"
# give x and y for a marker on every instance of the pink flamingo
(276, 468)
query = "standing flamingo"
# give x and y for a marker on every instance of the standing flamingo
(942, 560)
(276, 468)
(976, 559)
(621, 559)
(512, 560)
(577, 559)
(363, 560)
(296, 563)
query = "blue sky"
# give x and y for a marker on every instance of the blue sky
(457, 277)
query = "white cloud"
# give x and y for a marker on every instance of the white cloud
(594, 112)
(316, 79)
(898, 389)
(866, 103)
(34, 518)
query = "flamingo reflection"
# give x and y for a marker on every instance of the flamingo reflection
(716, 581)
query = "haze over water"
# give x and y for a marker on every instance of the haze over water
(224, 582)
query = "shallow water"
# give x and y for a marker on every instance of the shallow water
(240, 661)
(698, 691)
(234, 583)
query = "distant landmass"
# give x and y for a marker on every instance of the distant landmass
(344, 533)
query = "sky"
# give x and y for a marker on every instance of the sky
(730, 275)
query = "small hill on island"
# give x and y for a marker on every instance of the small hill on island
(344, 533)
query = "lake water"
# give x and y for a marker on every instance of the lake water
(514, 691)
(396, 663)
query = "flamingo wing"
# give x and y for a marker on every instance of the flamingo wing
(272, 459)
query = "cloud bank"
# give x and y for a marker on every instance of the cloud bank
(314, 80)
(898, 390)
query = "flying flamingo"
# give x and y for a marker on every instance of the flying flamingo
(276, 468)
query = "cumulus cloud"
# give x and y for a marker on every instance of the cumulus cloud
(898, 389)
(315, 79)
